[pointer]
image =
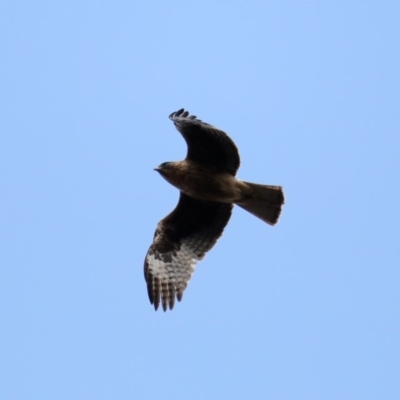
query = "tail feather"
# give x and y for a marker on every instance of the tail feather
(263, 201)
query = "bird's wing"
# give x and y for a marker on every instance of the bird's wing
(181, 239)
(207, 144)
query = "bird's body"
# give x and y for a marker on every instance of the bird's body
(200, 182)
(209, 189)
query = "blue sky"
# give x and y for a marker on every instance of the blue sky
(308, 90)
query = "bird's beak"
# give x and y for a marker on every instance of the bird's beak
(158, 169)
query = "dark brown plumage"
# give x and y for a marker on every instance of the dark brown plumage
(209, 189)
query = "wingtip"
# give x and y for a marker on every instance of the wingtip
(159, 297)
(181, 113)
(177, 113)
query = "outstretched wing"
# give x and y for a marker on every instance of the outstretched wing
(181, 239)
(207, 144)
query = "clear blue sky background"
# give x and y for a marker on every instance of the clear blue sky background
(309, 91)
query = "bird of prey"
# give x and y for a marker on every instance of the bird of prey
(208, 191)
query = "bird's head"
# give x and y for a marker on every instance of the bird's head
(164, 168)
(171, 172)
(167, 170)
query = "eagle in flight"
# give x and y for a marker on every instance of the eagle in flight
(208, 191)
